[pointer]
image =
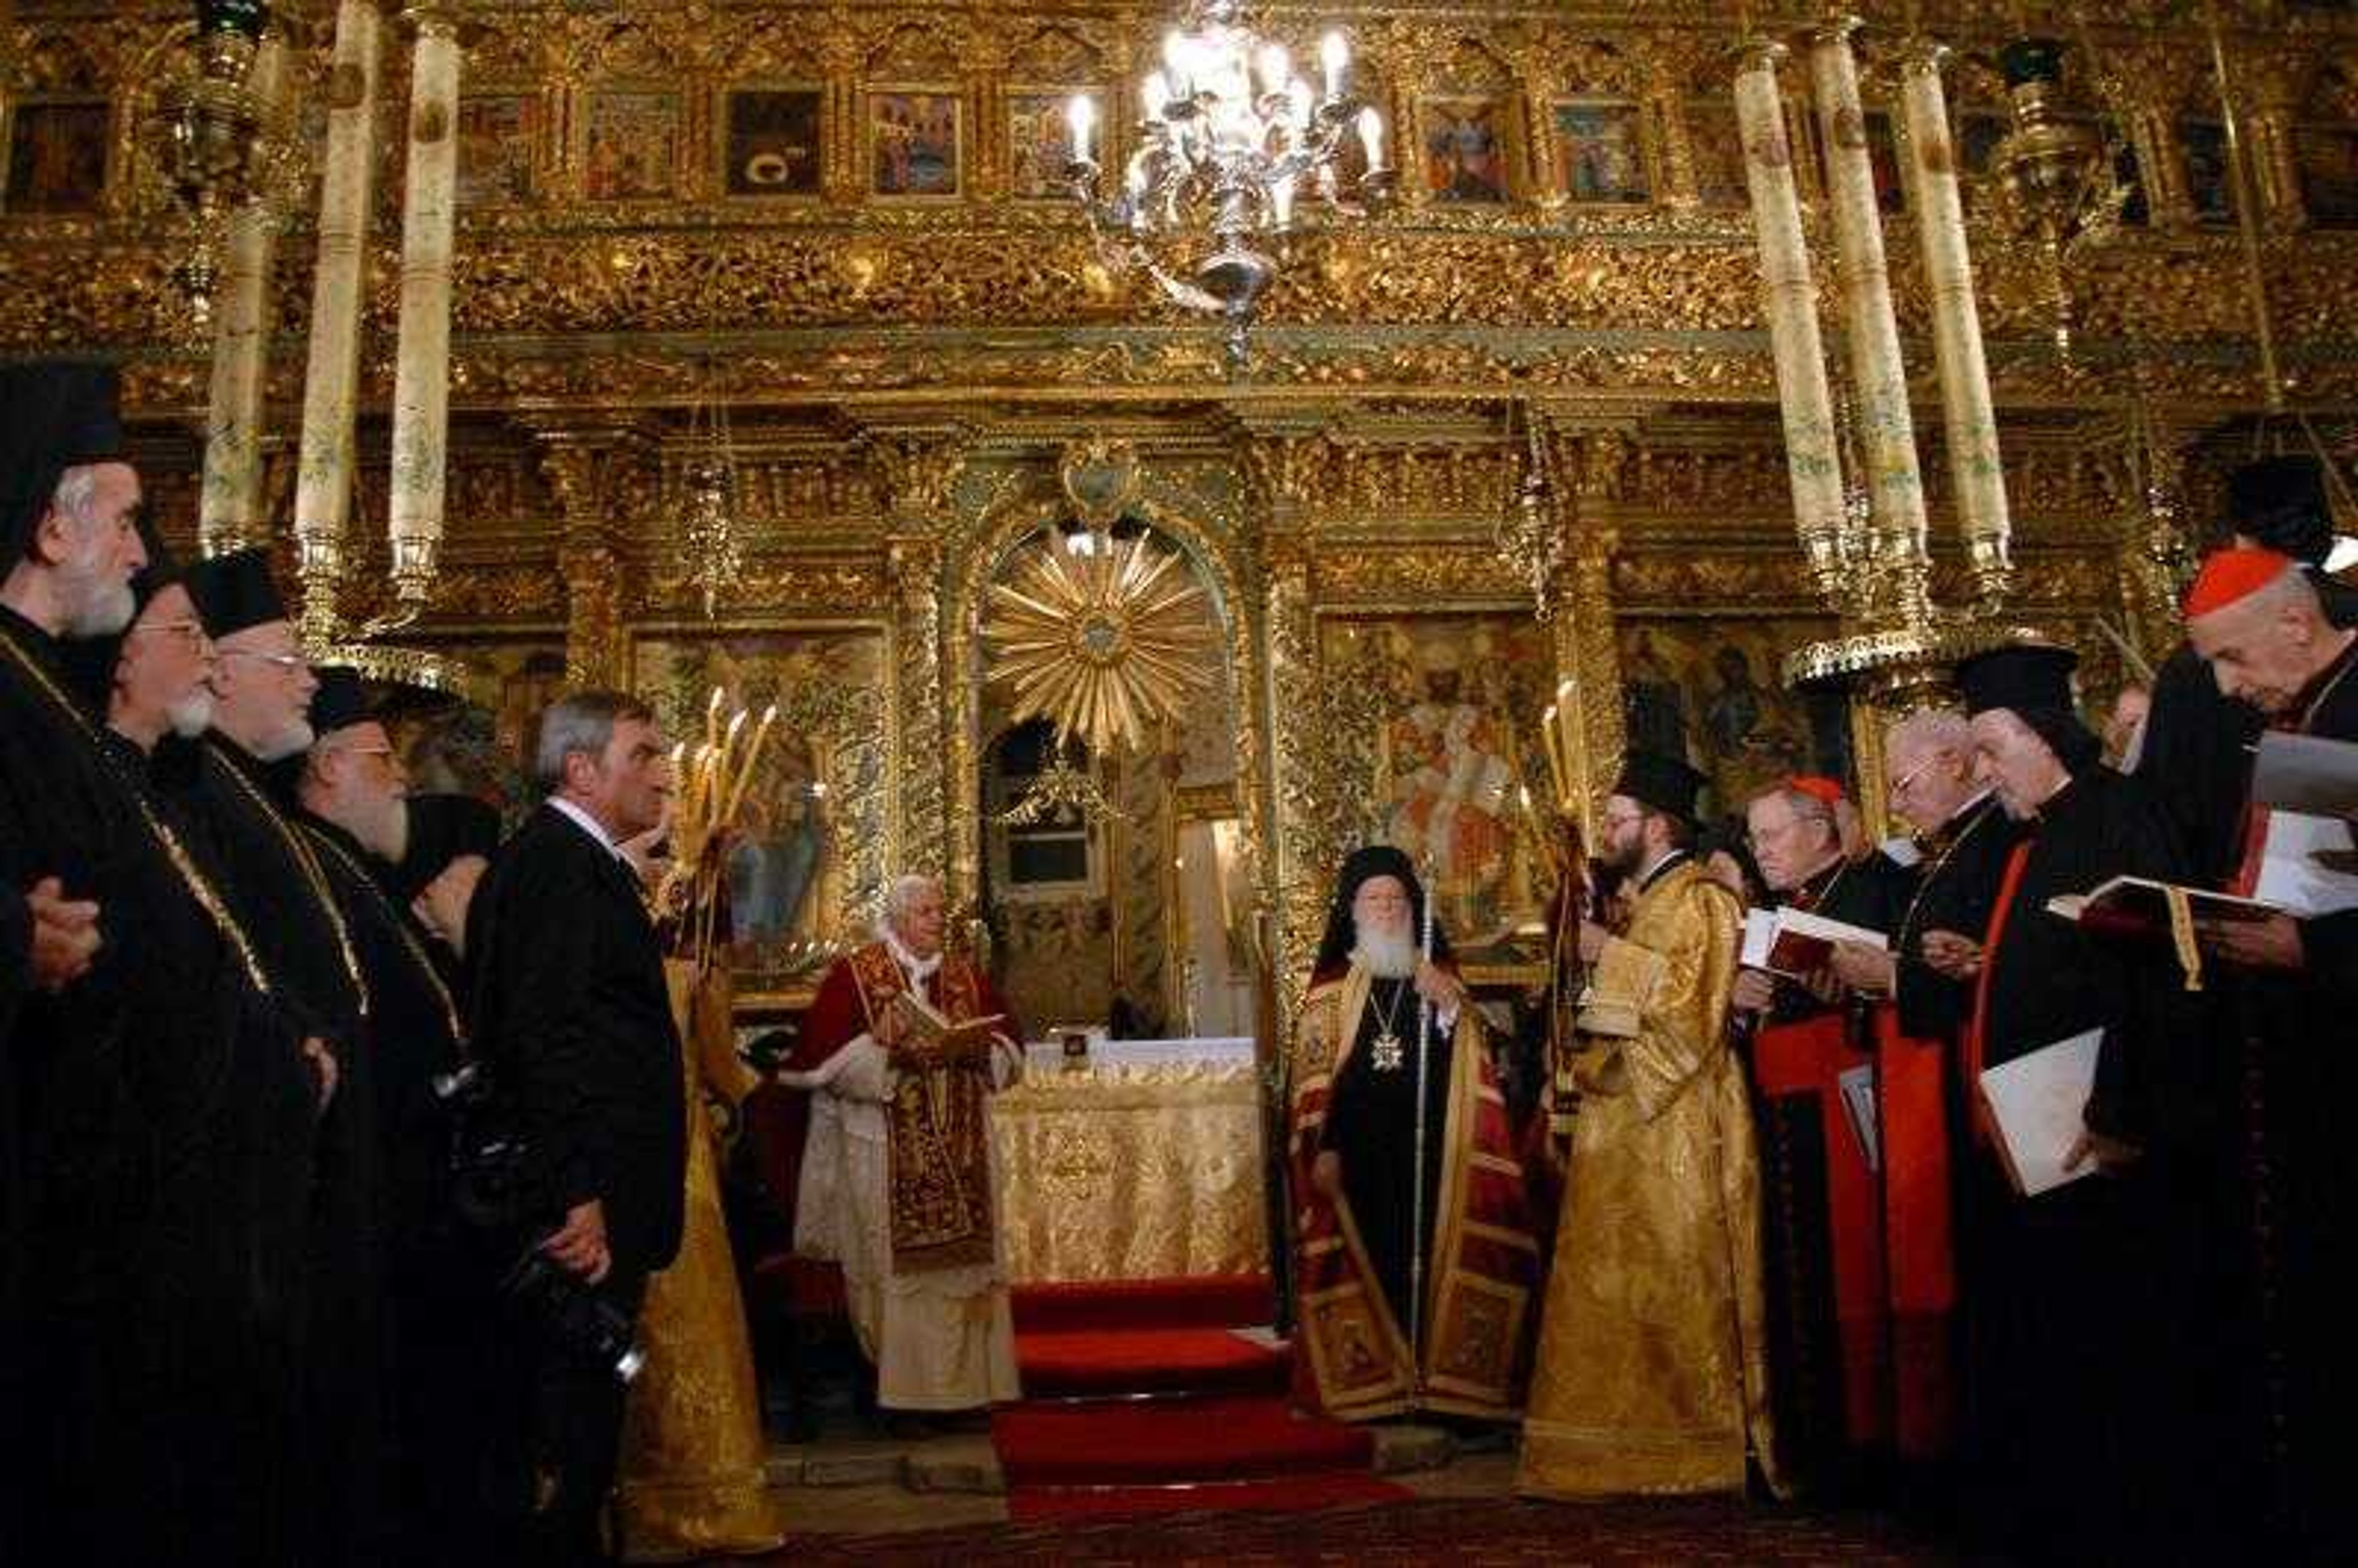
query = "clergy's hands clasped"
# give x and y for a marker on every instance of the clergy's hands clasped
(1756, 990)
(1437, 986)
(1327, 1174)
(1959, 958)
(578, 1245)
(1863, 969)
(324, 1071)
(2270, 944)
(2113, 1156)
(65, 935)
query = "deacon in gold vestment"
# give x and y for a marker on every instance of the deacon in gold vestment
(693, 1474)
(1403, 1304)
(1650, 1373)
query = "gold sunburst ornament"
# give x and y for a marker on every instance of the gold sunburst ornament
(1104, 637)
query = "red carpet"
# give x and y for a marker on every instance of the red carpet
(1298, 1493)
(1222, 1436)
(1105, 1364)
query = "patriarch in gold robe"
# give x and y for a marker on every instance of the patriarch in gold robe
(1412, 1295)
(1650, 1374)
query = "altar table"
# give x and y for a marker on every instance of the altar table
(1145, 1163)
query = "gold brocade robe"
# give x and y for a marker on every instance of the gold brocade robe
(1355, 1360)
(1652, 1374)
(692, 1477)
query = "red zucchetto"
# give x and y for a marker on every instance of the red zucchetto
(1818, 787)
(2229, 576)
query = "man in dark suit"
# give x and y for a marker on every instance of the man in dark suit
(572, 1019)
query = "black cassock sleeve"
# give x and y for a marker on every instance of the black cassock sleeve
(2155, 1073)
(543, 965)
(15, 954)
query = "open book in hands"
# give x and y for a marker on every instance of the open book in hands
(1796, 943)
(929, 1040)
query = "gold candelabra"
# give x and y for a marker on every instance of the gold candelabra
(219, 146)
(711, 539)
(1527, 536)
(2055, 175)
(708, 785)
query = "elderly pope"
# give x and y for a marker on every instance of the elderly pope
(897, 1180)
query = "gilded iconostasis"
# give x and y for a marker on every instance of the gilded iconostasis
(843, 234)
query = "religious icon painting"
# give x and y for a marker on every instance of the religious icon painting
(915, 143)
(1040, 141)
(2328, 157)
(56, 156)
(2210, 188)
(1462, 147)
(497, 134)
(1715, 144)
(1600, 152)
(771, 141)
(631, 143)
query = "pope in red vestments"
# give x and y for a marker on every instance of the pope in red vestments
(897, 1184)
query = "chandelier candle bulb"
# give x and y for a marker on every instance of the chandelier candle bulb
(1335, 58)
(1371, 136)
(1082, 116)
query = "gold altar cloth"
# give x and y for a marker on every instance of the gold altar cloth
(1131, 1171)
(694, 1457)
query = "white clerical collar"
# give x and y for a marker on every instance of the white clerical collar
(919, 970)
(587, 823)
(1970, 807)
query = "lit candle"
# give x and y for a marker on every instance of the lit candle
(1178, 60)
(1082, 116)
(1274, 67)
(1371, 136)
(712, 717)
(1334, 54)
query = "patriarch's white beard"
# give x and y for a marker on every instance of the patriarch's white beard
(1387, 955)
(106, 611)
(191, 716)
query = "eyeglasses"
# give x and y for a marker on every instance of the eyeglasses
(193, 631)
(1616, 820)
(1757, 837)
(1907, 781)
(286, 664)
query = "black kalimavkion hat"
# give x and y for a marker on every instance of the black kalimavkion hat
(54, 415)
(2033, 682)
(235, 591)
(1660, 782)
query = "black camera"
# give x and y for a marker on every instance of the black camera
(499, 1199)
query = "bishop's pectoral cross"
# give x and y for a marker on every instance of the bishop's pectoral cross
(1389, 1051)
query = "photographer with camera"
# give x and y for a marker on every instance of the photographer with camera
(572, 1029)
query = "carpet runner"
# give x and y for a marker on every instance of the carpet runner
(1166, 1397)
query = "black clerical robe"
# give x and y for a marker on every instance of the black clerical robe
(169, 1117)
(2299, 1161)
(1828, 1292)
(281, 890)
(2086, 1306)
(1926, 1120)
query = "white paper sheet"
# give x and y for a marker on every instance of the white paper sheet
(2037, 1102)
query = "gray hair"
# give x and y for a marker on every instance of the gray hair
(1803, 806)
(581, 724)
(1932, 730)
(77, 493)
(903, 890)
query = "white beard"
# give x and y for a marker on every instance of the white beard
(191, 716)
(296, 737)
(387, 836)
(1387, 955)
(106, 611)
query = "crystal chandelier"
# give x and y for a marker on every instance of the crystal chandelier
(1230, 139)
(711, 540)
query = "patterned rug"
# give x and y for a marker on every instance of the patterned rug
(1471, 1532)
